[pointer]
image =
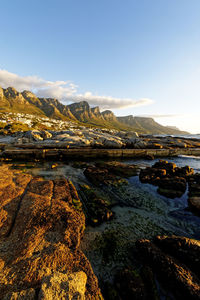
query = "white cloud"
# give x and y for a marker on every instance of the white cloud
(65, 91)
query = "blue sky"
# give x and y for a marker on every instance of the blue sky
(110, 51)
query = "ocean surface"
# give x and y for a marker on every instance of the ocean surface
(186, 136)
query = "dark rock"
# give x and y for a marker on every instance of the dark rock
(130, 285)
(102, 176)
(172, 259)
(170, 179)
(97, 207)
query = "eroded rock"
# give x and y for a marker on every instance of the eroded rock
(41, 225)
(170, 179)
(172, 259)
(64, 286)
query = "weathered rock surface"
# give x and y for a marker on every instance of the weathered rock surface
(63, 286)
(41, 224)
(175, 261)
(110, 173)
(97, 209)
(170, 179)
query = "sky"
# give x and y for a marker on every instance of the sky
(136, 57)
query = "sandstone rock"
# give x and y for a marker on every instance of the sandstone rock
(28, 294)
(41, 224)
(64, 286)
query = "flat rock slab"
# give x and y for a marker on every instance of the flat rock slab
(40, 230)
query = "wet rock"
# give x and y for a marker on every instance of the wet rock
(167, 260)
(110, 173)
(97, 208)
(120, 169)
(172, 187)
(41, 225)
(101, 176)
(170, 179)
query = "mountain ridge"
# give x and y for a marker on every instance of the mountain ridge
(27, 102)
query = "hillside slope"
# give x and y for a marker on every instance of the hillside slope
(148, 125)
(27, 102)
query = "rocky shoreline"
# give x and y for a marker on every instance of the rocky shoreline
(44, 243)
(92, 143)
(42, 223)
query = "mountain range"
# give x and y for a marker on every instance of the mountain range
(26, 102)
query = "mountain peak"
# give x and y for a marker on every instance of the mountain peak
(108, 115)
(27, 102)
(96, 110)
(11, 92)
(27, 94)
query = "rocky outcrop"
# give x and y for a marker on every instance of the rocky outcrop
(170, 179)
(175, 262)
(110, 173)
(41, 224)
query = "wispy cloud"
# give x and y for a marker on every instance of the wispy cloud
(170, 116)
(66, 91)
(161, 116)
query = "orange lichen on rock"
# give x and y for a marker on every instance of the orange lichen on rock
(40, 231)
